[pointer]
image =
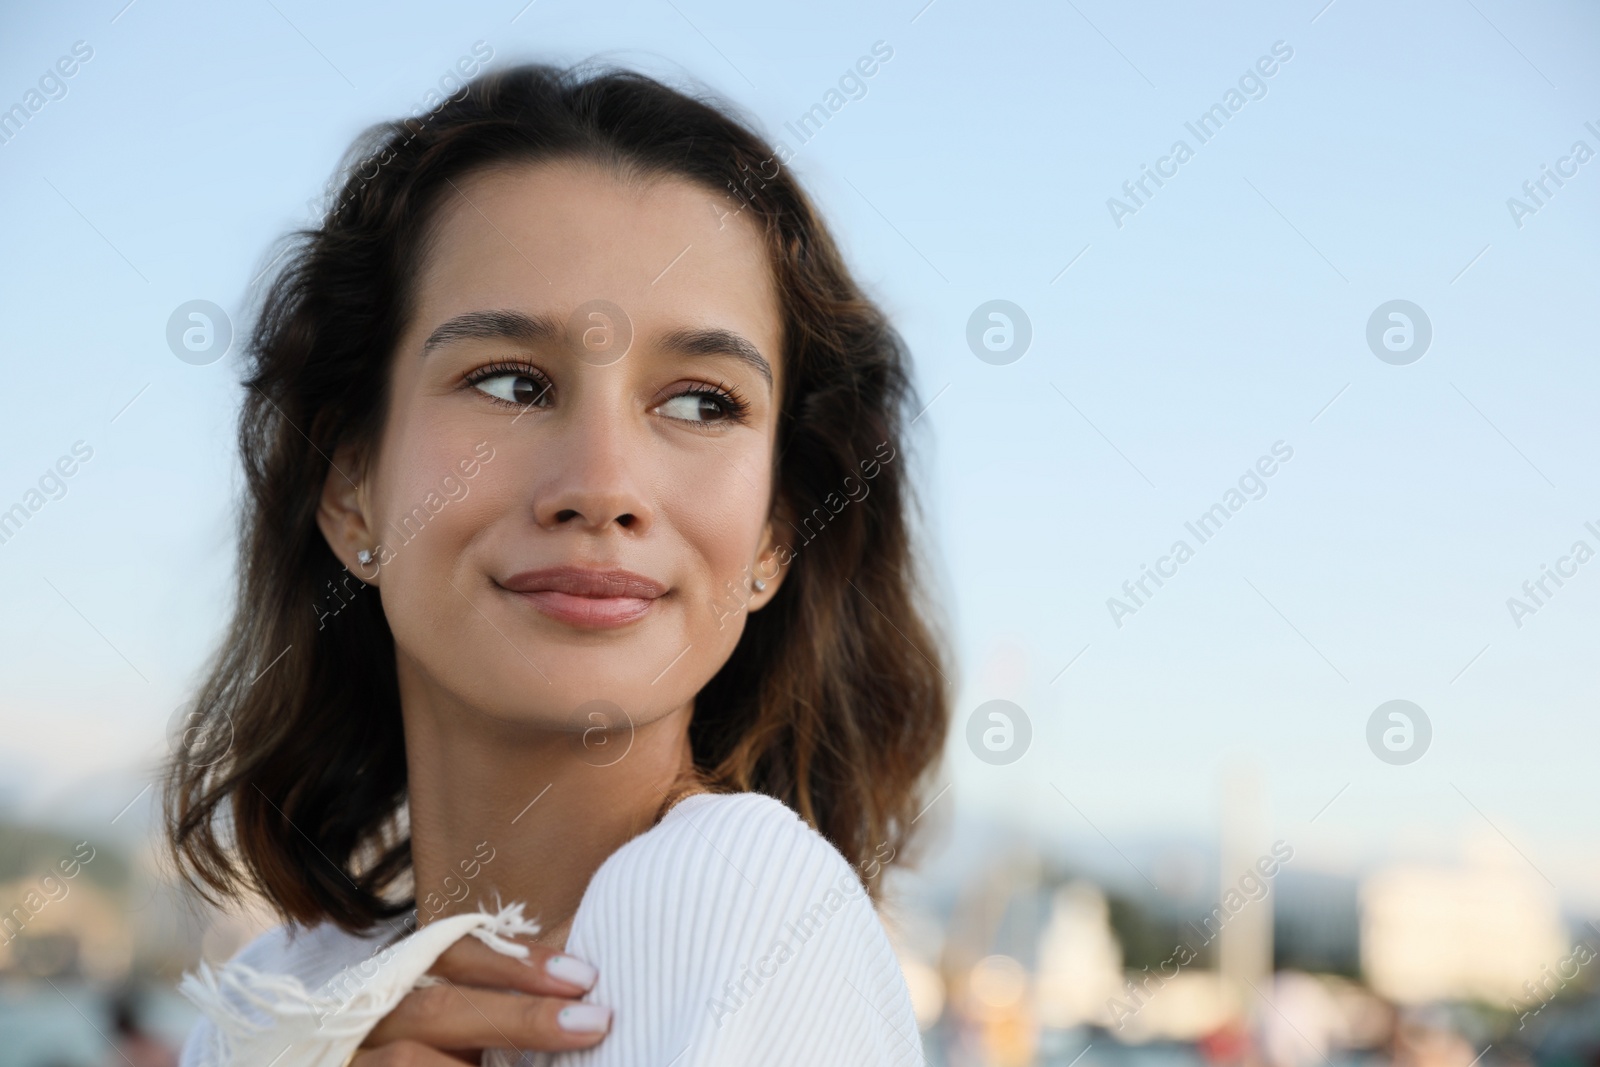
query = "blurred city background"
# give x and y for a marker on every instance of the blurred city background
(1316, 789)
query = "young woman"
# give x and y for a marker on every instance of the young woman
(576, 573)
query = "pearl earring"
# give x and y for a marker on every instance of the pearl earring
(760, 585)
(365, 556)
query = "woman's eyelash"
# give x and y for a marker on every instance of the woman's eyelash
(736, 405)
(495, 370)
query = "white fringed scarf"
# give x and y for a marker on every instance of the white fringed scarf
(263, 1018)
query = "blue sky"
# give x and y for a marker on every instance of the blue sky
(1168, 354)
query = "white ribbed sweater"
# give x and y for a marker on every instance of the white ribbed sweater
(729, 933)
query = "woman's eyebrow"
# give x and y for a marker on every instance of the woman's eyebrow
(510, 325)
(715, 341)
(543, 327)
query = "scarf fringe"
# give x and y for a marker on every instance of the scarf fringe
(259, 1015)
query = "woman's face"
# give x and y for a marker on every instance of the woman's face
(588, 384)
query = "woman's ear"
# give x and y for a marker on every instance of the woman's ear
(772, 559)
(342, 516)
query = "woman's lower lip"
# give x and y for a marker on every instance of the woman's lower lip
(589, 611)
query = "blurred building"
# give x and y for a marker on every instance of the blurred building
(1082, 979)
(1080, 962)
(1476, 931)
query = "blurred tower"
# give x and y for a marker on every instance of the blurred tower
(1244, 949)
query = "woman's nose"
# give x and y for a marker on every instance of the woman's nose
(594, 475)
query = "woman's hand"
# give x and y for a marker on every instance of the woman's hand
(488, 1000)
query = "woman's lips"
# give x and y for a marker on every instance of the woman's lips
(596, 612)
(587, 597)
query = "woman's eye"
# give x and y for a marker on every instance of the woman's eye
(521, 389)
(694, 407)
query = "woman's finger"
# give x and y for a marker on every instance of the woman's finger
(543, 972)
(407, 1054)
(451, 1016)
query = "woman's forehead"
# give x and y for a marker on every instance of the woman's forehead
(545, 239)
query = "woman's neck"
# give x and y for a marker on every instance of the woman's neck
(528, 814)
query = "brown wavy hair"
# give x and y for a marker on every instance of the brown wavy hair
(835, 699)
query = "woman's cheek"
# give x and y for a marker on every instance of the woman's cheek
(721, 525)
(428, 528)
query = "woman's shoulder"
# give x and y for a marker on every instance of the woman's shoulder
(733, 928)
(736, 818)
(743, 843)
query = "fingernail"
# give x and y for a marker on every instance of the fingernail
(571, 970)
(584, 1018)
